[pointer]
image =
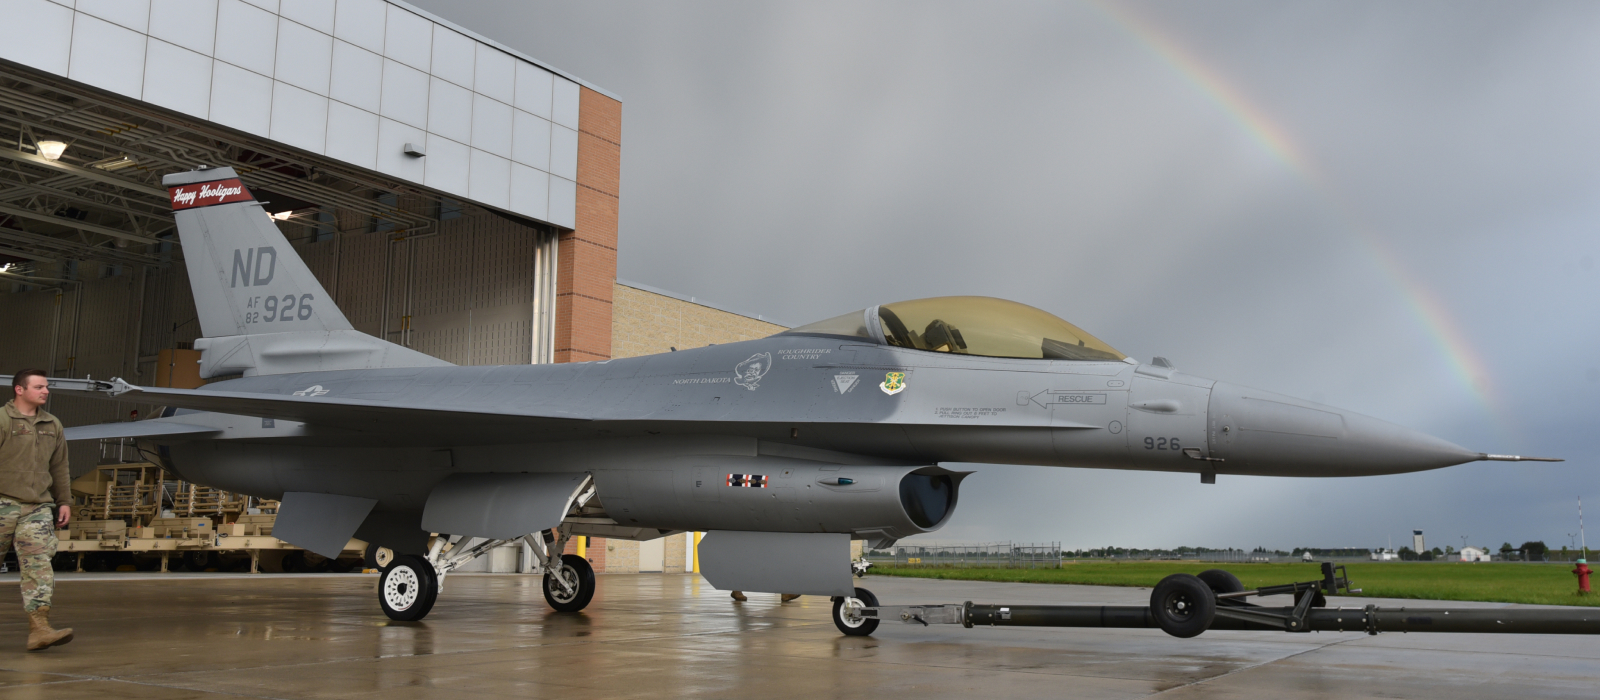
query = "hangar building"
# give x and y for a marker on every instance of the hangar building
(453, 195)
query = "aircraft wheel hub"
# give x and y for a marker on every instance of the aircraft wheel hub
(400, 588)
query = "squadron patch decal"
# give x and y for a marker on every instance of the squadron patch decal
(748, 374)
(893, 383)
(749, 481)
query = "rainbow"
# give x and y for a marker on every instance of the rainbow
(1430, 312)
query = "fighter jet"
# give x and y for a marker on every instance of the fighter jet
(782, 449)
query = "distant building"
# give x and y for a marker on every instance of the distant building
(1416, 542)
(1385, 555)
(1474, 554)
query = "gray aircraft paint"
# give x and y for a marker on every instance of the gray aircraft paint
(663, 434)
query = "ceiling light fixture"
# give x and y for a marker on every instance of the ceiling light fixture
(52, 149)
(113, 163)
(283, 215)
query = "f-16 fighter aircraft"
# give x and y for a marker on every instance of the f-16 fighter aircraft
(782, 449)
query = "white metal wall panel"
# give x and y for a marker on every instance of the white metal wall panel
(530, 140)
(356, 77)
(47, 45)
(490, 179)
(133, 14)
(361, 22)
(405, 94)
(564, 152)
(450, 110)
(392, 137)
(240, 99)
(191, 24)
(353, 135)
(563, 202)
(491, 126)
(530, 192)
(299, 118)
(178, 79)
(305, 57)
(107, 56)
(495, 74)
(408, 39)
(240, 64)
(247, 37)
(535, 88)
(453, 56)
(564, 103)
(316, 14)
(447, 166)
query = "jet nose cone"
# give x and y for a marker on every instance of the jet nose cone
(1259, 432)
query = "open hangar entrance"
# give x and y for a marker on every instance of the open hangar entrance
(95, 274)
(429, 177)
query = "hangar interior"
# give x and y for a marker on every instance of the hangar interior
(452, 195)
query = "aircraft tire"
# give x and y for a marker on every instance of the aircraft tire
(577, 570)
(408, 588)
(855, 628)
(1183, 605)
(1221, 581)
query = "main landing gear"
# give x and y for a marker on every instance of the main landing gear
(409, 584)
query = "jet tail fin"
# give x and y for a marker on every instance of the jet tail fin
(261, 310)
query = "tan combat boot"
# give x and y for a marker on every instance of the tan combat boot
(739, 596)
(790, 596)
(40, 634)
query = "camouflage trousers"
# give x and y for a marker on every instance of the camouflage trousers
(31, 529)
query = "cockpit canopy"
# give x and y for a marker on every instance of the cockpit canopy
(968, 326)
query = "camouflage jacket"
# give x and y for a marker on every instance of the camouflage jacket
(33, 458)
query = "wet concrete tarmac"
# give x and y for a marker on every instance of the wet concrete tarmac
(651, 636)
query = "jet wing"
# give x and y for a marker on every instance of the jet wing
(349, 414)
(138, 429)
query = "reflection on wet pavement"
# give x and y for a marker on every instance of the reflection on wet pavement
(672, 635)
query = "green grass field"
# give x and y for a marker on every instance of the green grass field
(1544, 584)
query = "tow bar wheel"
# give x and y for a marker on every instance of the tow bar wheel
(1183, 605)
(570, 587)
(847, 614)
(408, 588)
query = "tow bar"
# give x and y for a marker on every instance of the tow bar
(1185, 605)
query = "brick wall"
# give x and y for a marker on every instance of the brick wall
(587, 259)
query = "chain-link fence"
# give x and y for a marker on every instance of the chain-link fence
(998, 555)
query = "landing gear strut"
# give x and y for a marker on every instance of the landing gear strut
(410, 584)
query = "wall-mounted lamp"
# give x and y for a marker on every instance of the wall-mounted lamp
(415, 150)
(52, 149)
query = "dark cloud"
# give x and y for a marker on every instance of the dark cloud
(1422, 251)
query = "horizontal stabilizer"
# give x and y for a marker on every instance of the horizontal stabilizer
(326, 411)
(138, 429)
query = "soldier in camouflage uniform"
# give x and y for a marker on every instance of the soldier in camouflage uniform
(34, 484)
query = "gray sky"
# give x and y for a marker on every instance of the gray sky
(1387, 207)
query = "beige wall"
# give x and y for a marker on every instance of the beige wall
(646, 323)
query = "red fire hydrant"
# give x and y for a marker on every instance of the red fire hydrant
(1583, 571)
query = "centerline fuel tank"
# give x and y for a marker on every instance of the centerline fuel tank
(781, 495)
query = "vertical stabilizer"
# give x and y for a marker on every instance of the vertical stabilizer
(261, 310)
(246, 278)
